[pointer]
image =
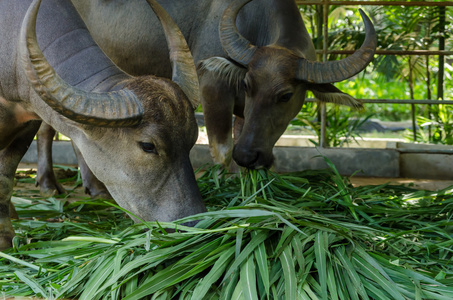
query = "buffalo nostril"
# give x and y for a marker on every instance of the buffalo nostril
(246, 158)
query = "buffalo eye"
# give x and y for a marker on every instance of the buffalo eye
(148, 147)
(285, 97)
(244, 85)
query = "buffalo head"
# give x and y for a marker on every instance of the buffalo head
(277, 77)
(136, 136)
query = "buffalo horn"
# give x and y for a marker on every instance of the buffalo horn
(335, 71)
(184, 72)
(112, 109)
(235, 45)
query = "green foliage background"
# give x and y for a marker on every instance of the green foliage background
(391, 76)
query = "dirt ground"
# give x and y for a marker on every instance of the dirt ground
(422, 184)
(25, 170)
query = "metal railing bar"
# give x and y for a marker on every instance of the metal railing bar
(393, 52)
(323, 108)
(398, 101)
(432, 151)
(385, 3)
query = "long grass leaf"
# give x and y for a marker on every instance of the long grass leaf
(158, 282)
(248, 279)
(289, 273)
(21, 262)
(248, 249)
(96, 279)
(32, 283)
(230, 285)
(367, 269)
(238, 293)
(321, 261)
(356, 285)
(214, 274)
(331, 282)
(262, 263)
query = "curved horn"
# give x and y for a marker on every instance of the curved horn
(335, 71)
(184, 72)
(113, 109)
(235, 45)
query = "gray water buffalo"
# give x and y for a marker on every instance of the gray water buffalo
(134, 132)
(255, 60)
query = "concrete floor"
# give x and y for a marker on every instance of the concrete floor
(422, 184)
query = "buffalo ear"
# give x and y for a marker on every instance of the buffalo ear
(327, 92)
(223, 69)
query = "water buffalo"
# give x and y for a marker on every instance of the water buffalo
(134, 132)
(259, 70)
(255, 60)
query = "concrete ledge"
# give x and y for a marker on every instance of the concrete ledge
(369, 162)
(348, 161)
(391, 162)
(427, 166)
(62, 153)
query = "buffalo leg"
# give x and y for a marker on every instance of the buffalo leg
(217, 100)
(92, 185)
(9, 160)
(45, 178)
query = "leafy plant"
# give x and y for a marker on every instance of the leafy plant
(390, 76)
(436, 132)
(343, 124)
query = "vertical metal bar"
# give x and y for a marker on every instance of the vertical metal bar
(325, 21)
(411, 88)
(414, 123)
(319, 45)
(429, 95)
(440, 89)
(323, 140)
(319, 23)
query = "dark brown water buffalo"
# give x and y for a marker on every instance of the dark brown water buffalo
(255, 60)
(134, 132)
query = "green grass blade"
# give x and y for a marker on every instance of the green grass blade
(355, 286)
(321, 261)
(32, 283)
(309, 292)
(230, 285)
(159, 281)
(248, 279)
(367, 269)
(262, 263)
(21, 262)
(90, 239)
(238, 293)
(214, 274)
(331, 282)
(248, 249)
(91, 290)
(289, 273)
(131, 285)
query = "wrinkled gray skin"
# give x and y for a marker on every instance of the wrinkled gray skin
(274, 96)
(143, 159)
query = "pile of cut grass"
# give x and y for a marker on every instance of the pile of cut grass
(306, 235)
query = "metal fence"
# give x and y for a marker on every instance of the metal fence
(441, 53)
